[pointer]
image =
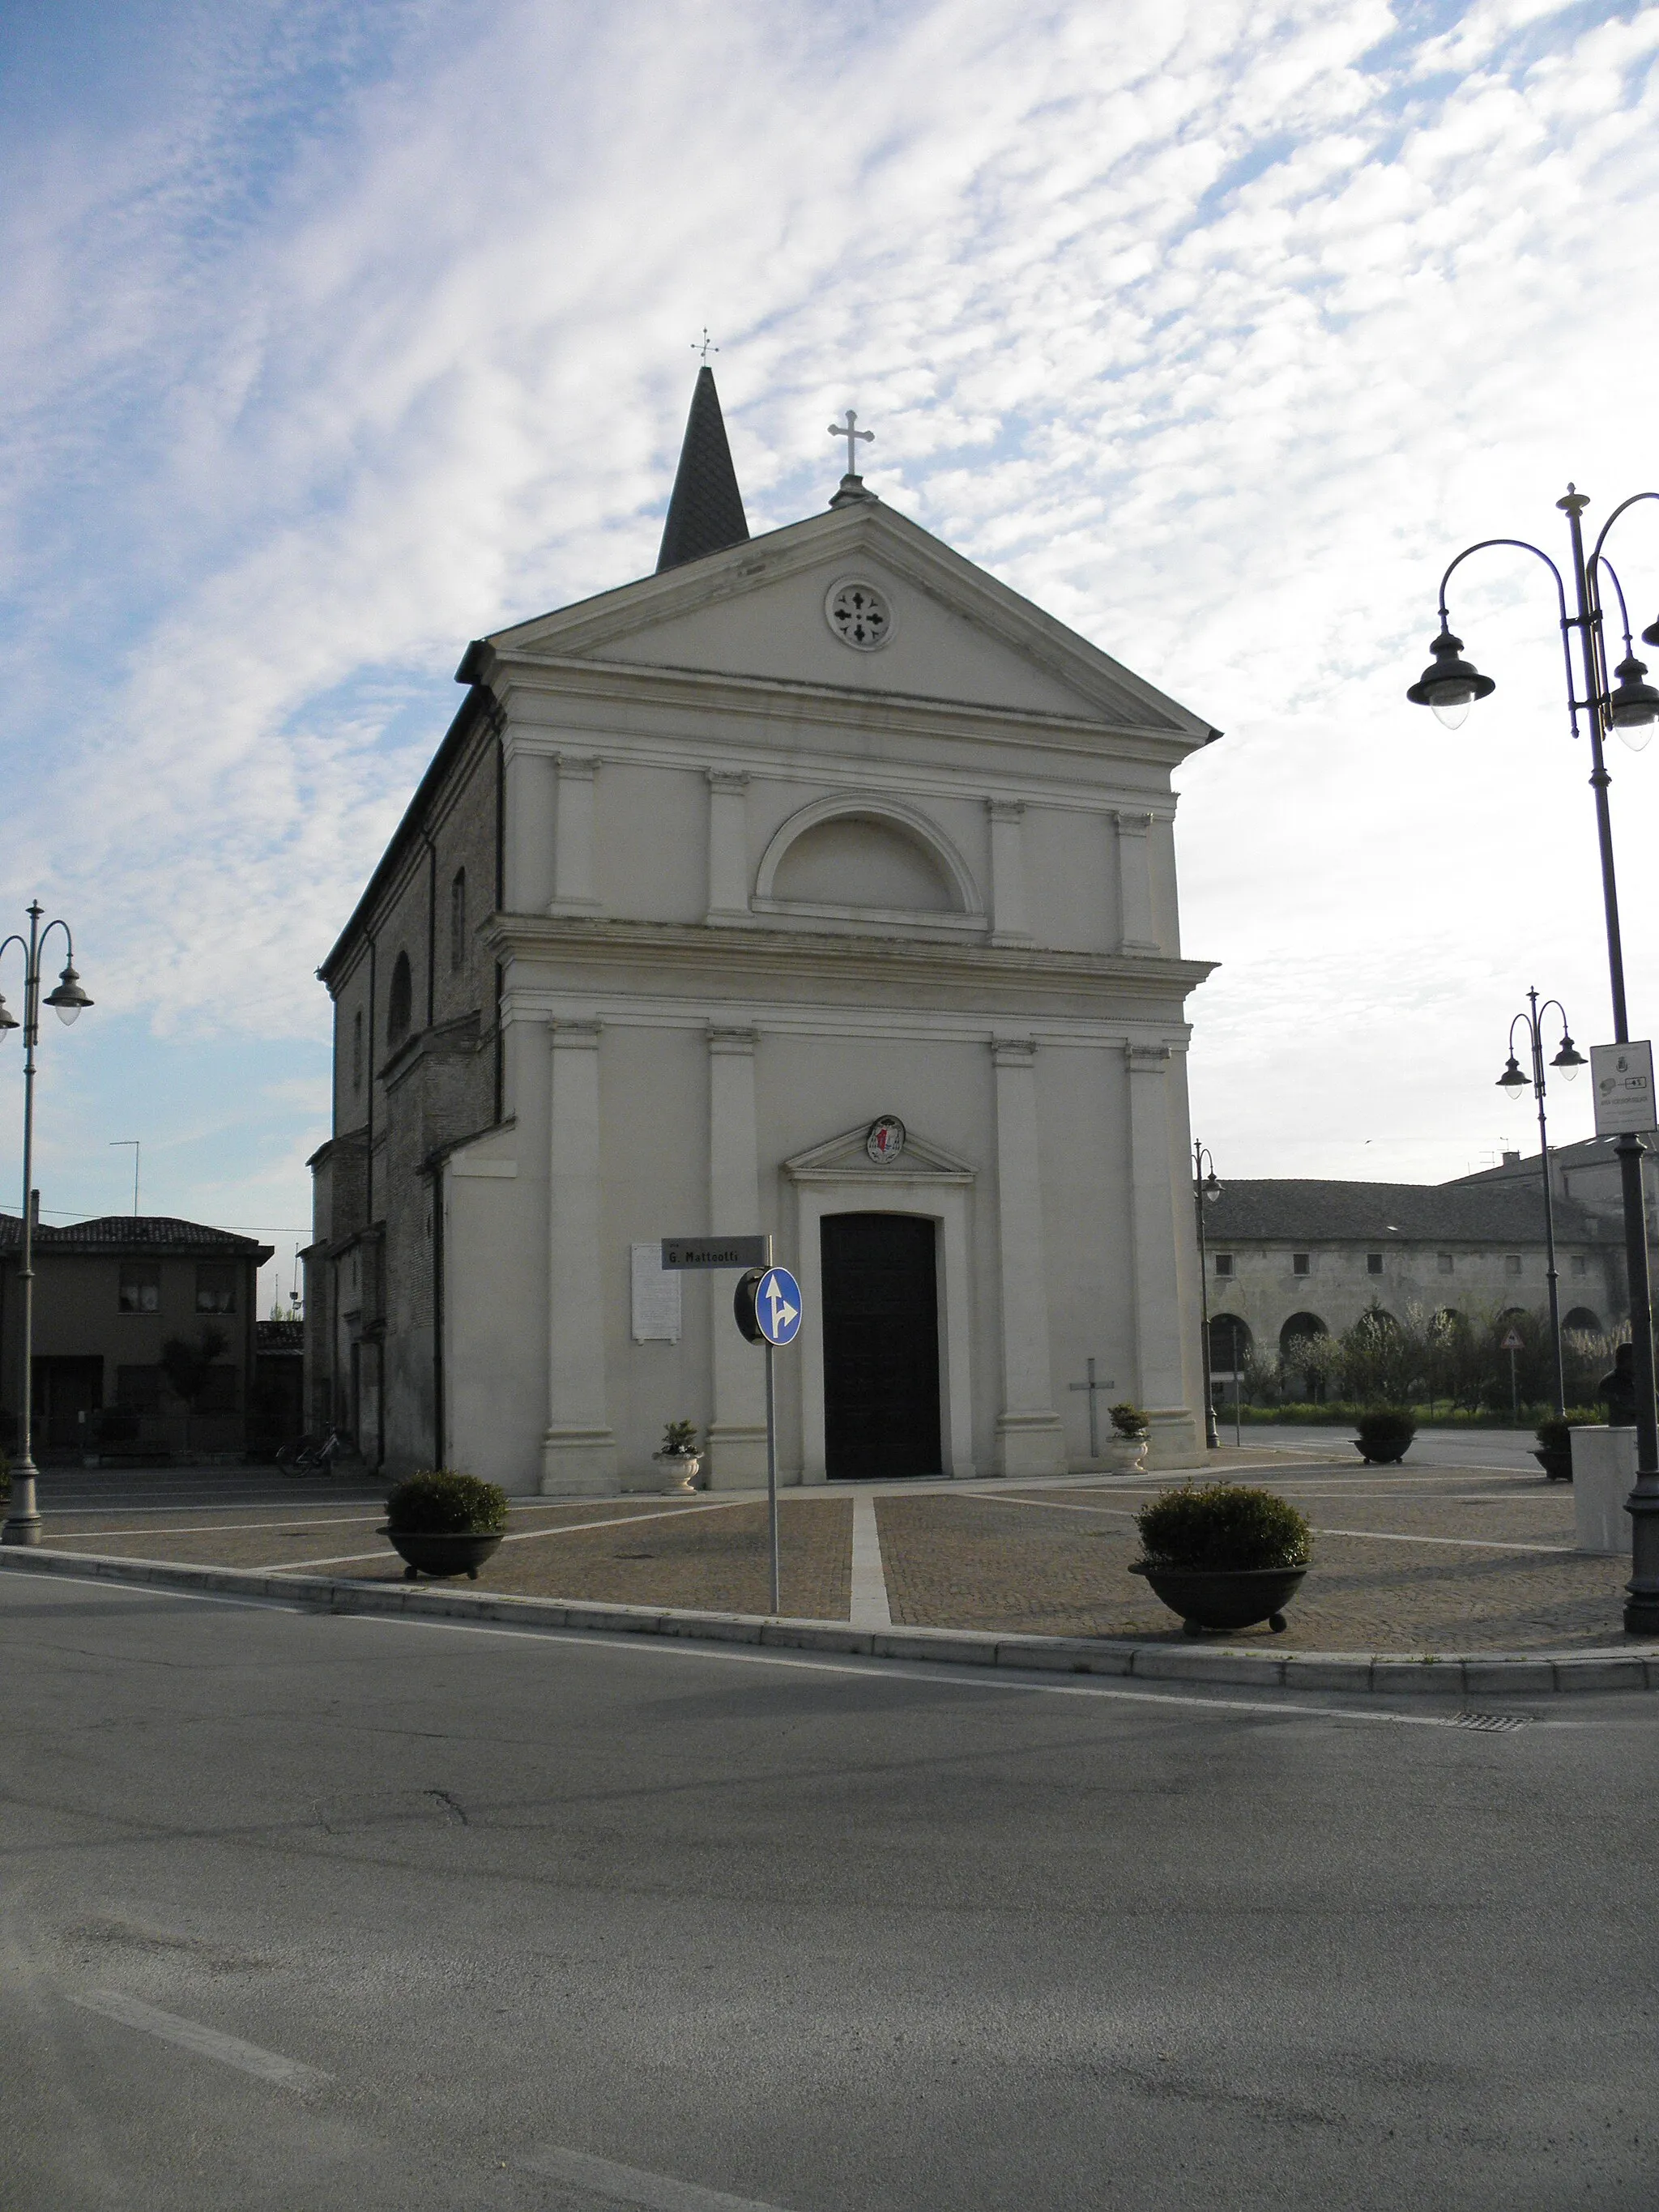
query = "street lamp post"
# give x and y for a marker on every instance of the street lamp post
(1206, 1190)
(1629, 705)
(22, 1523)
(1569, 1060)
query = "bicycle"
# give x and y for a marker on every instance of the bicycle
(308, 1455)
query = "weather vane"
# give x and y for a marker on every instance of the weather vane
(850, 430)
(707, 347)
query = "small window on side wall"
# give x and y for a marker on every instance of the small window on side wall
(216, 1288)
(1512, 1263)
(1301, 1263)
(1373, 1263)
(1445, 1262)
(1223, 1263)
(400, 1001)
(141, 1286)
(458, 922)
(357, 1050)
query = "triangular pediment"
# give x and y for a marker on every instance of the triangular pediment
(761, 612)
(847, 1158)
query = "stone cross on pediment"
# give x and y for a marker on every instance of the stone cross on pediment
(849, 429)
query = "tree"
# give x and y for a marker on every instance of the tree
(188, 1367)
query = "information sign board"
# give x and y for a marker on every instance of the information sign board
(715, 1251)
(1621, 1078)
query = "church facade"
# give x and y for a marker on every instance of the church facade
(817, 885)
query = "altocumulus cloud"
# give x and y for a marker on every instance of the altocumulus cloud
(342, 334)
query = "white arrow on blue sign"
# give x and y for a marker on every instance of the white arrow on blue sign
(777, 1305)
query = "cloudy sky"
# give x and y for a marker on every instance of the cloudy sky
(335, 335)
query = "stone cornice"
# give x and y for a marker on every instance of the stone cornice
(722, 696)
(742, 962)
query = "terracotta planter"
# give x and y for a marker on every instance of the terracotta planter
(1212, 1600)
(427, 1553)
(680, 1471)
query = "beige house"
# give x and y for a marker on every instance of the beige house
(816, 885)
(109, 1296)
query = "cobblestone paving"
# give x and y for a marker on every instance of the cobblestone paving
(236, 1536)
(979, 1562)
(1046, 1558)
(706, 1554)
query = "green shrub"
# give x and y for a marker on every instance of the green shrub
(441, 1502)
(679, 1439)
(1128, 1420)
(1385, 1431)
(1554, 1434)
(1223, 1525)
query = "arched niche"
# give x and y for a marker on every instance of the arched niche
(868, 859)
(1297, 1330)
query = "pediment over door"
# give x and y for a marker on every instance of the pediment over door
(847, 1158)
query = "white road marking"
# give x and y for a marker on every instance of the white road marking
(869, 1607)
(911, 1670)
(630, 2184)
(205, 2042)
(622, 1645)
(1377, 1535)
(531, 1535)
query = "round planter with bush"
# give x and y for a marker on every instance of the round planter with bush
(444, 1523)
(1223, 1556)
(1554, 1452)
(1385, 1434)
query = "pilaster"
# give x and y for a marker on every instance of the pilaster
(575, 879)
(530, 810)
(1011, 922)
(1030, 1438)
(1157, 1227)
(579, 1451)
(736, 1433)
(728, 845)
(1137, 932)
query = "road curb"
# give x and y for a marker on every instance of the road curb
(1434, 1673)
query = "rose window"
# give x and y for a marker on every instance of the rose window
(859, 616)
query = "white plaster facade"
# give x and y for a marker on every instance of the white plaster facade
(757, 888)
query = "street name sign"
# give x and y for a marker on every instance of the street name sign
(1621, 1078)
(715, 1251)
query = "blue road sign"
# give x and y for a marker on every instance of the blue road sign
(777, 1305)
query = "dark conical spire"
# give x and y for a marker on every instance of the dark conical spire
(705, 515)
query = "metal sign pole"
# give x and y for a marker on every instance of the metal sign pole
(772, 1481)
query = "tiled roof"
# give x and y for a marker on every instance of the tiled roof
(133, 1232)
(1288, 1211)
(1590, 1150)
(279, 1336)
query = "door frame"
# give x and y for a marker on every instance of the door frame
(942, 1199)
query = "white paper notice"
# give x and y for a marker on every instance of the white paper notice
(656, 1296)
(1621, 1077)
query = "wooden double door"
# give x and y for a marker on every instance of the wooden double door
(881, 1403)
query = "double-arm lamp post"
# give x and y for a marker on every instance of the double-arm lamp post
(1627, 703)
(22, 1522)
(1206, 1190)
(1569, 1060)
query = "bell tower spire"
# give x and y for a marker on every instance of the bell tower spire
(705, 514)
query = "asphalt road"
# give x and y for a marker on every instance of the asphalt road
(1504, 1448)
(312, 1912)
